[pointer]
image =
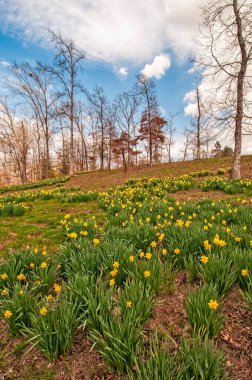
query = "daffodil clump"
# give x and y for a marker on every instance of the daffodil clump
(32, 185)
(227, 186)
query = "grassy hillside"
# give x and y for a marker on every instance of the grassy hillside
(102, 180)
(154, 275)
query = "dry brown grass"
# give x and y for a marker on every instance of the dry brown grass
(100, 180)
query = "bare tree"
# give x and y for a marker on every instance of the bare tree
(16, 138)
(188, 143)
(65, 68)
(152, 123)
(126, 108)
(225, 55)
(33, 85)
(99, 107)
(80, 116)
(169, 133)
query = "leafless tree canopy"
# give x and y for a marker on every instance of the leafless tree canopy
(225, 58)
(52, 124)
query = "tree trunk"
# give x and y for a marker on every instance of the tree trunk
(47, 158)
(198, 125)
(236, 169)
(71, 148)
(125, 169)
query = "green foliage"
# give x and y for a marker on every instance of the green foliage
(20, 301)
(54, 332)
(248, 295)
(200, 361)
(110, 285)
(203, 320)
(45, 182)
(12, 209)
(227, 186)
(154, 362)
(117, 339)
(220, 272)
(243, 266)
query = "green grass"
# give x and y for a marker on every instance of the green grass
(109, 271)
(40, 225)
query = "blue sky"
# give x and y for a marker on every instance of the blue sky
(121, 38)
(171, 88)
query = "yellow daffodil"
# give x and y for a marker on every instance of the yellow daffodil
(213, 304)
(43, 311)
(204, 259)
(244, 272)
(7, 314)
(147, 274)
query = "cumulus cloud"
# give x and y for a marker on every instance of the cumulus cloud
(115, 31)
(123, 72)
(190, 109)
(158, 67)
(4, 63)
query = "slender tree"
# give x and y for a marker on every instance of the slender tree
(65, 69)
(126, 114)
(16, 137)
(225, 55)
(99, 107)
(152, 124)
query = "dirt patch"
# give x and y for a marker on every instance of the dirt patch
(40, 225)
(83, 363)
(169, 317)
(197, 194)
(19, 361)
(33, 236)
(235, 338)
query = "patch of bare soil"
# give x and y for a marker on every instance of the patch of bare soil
(82, 362)
(169, 317)
(235, 338)
(197, 194)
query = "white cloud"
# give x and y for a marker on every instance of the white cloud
(4, 63)
(190, 96)
(158, 67)
(123, 72)
(190, 109)
(114, 31)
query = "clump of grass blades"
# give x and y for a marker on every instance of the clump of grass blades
(116, 324)
(200, 361)
(219, 270)
(248, 296)
(54, 331)
(203, 320)
(154, 362)
(20, 301)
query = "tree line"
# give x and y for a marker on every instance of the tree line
(52, 124)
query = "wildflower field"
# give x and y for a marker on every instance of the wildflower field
(143, 285)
